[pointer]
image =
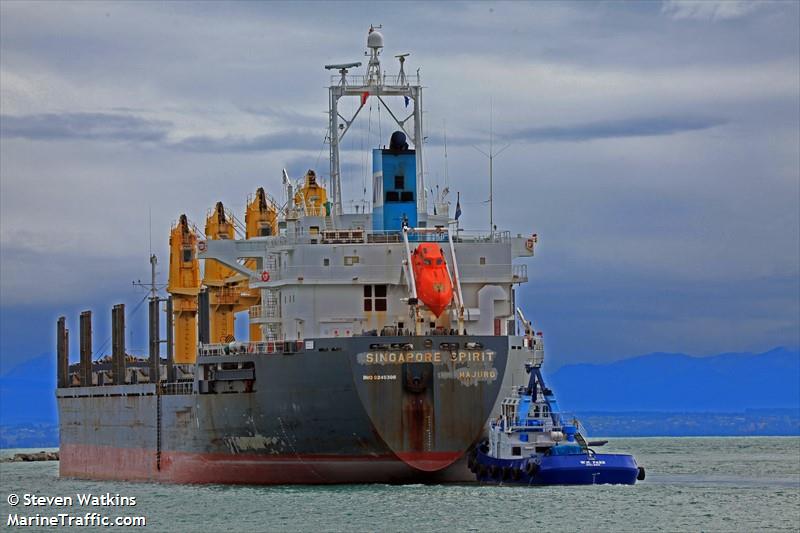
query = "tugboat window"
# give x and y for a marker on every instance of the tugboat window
(392, 196)
(407, 196)
(187, 255)
(399, 182)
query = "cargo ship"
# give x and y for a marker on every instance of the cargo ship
(381, 339)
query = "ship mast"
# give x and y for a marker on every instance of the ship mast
(378, 84)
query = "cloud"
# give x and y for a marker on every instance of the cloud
(588, 131)
(609, 129)
(87, 126)
(709, 9)
(282, 140)
(283, 115)
(128, 127)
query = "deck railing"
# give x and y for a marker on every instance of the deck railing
(391, 273)
(371, 236)
(260, 347)
(360, 80)
(177, 387)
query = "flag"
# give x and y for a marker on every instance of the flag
(407, 99)
(364, 97)
(458, 206)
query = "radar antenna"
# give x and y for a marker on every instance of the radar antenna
(401, 78)
(343, 69)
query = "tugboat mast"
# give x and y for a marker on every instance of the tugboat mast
(378, 84)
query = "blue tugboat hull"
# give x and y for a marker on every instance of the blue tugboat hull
(583, 469)
(588, 470)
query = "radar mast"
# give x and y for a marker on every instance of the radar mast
(378, 84)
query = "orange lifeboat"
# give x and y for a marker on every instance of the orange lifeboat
(430, 272)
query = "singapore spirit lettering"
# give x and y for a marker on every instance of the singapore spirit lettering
(400, 357)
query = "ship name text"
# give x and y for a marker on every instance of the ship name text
(399, 357)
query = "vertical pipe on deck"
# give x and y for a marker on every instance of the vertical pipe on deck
(155, 344)
(170, 343)
(62, 353)
(118, 343)
(203, 316)
(66, 359)
(86, 348)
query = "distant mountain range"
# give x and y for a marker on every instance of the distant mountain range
(658, 382)
(672, 382)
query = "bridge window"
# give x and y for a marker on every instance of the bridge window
(350, 260)
(374, 297)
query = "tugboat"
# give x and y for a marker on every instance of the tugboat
(531, 443)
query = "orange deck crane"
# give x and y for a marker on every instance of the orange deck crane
(261, 220)
(311, 199)
(184, 285)
(222, 294)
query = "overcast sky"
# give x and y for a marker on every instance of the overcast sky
(654, 150)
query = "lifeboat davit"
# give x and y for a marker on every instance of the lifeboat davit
(430, 274)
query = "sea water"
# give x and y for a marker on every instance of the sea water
(692, 484)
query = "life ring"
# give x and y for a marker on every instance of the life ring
(202, 246)
(264, 276)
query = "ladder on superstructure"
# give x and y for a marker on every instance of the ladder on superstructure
(271, 304)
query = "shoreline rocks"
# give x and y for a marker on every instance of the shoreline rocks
(34, 456)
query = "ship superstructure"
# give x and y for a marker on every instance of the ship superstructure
(380, 340)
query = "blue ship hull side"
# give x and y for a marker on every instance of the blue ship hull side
(583, 469)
